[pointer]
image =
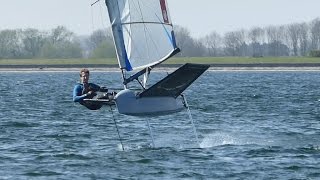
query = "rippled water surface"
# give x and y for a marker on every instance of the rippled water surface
(251, 125)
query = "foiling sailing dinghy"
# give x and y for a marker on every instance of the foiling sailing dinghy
(144, 37)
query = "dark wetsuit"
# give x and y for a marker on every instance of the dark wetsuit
(79, 93)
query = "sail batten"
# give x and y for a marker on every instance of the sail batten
(142, 31)
(144, 22)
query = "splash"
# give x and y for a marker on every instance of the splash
(135, 147)
(120, 147)
(219, 139)
(216, 139)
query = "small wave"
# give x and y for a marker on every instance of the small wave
(17, 124)
(42, 173)
(72, 156)
(310, 149)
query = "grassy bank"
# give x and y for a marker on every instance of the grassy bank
(204, 60)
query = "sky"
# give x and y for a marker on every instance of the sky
(200, 17)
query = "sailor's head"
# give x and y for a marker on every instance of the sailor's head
(84, 75)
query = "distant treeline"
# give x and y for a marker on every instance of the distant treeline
(298, 39)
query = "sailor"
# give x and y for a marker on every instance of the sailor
(86, 90)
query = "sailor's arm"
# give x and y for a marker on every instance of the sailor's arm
(77, 96)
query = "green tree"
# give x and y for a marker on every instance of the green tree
(315, 53)
(62, 50)
(10, 44)
(61, 34)
(33, 41)
(61, 43)
(104, 50)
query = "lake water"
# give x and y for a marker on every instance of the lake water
(251, 125)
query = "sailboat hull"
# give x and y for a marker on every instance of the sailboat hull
(131, 104)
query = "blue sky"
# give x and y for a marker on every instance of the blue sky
(201, 17)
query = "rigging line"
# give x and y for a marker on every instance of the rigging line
(92, 23)
(129, 30)
(153, 42)
(115, 123)
(95, 2)
(141, 84)
(101, 17)
(147, 31)
(133, 6)
(144, 28)
(126, 29)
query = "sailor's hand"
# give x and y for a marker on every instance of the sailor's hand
(89, 93)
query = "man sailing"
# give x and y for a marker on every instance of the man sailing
(86, 90)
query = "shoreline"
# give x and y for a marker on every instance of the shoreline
(164, 67)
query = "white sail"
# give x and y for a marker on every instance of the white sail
(142, 31)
